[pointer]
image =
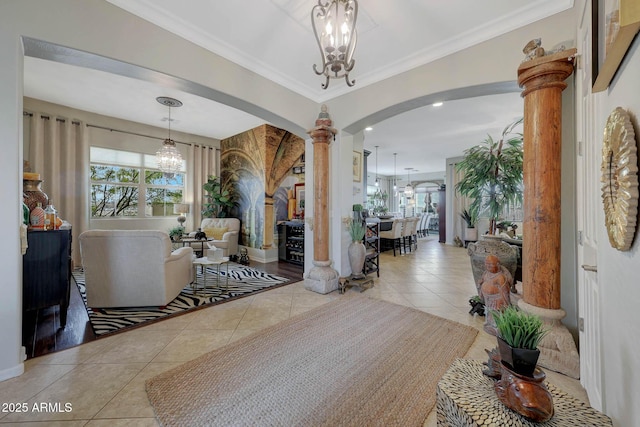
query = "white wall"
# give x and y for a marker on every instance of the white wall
(618, 274)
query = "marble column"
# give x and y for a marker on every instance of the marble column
(322, 278)
(542, 80)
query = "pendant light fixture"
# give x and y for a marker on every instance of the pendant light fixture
(377, 179)
(168, 157)
(334, 25)
(395, 183)
(408, 189)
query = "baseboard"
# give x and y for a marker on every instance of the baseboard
(262, 255)
(12, 372)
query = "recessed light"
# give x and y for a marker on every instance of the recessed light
(368, 128)
(437, 104)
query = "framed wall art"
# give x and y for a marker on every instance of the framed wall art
(357, 166)
(299, 194)
(614, 24)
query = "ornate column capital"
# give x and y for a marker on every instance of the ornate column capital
(546, 71)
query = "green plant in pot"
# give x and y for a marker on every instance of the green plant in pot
(492, 174)
(356, 251)
(519, 335)
(470, 217)
(176, 233)
(217, 200)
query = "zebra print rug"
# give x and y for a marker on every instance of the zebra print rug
(243, 281)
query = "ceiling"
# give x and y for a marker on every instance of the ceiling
(410, 36)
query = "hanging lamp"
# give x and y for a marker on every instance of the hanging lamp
(395, 184)
(168, 157)
(334, 25)
(408, 189)
(377, 179)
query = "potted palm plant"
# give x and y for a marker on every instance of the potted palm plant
(470, 218)
(356, 251)
(519, 334)
(492, 174)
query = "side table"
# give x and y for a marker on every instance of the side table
(191, 241)
(466, 397)
(204, 262)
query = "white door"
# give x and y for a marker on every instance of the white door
(589, 208)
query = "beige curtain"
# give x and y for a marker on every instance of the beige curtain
(59, 152)
(459, 204)
(202, 162)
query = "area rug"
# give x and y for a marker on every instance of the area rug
(243, 281)
(355, 361)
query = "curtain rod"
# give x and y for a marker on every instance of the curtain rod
(73, 122)
(147, 136)
(25, 113)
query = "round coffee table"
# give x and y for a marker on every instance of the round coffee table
(204, 262)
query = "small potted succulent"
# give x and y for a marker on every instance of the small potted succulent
(518, 339)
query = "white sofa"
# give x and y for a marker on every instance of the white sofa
(133, 268)
(225, 233)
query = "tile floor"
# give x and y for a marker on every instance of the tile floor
(104, 380)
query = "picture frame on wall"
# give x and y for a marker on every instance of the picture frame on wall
(299, 195)
(357, 166)
(614, 24)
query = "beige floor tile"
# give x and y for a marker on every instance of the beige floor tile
(132, 400)
(138, 346)
(193, 343)
(35, 379)
(260, 317)
(87, 388)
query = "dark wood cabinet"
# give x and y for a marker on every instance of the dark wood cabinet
(442, 215)
(291, 242)
(46, 271)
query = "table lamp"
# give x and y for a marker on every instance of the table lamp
(181, 209)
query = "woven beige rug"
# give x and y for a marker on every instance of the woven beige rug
(356, 361)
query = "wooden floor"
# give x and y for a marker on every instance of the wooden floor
(42, 334)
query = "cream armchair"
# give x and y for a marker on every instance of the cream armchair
(133, 268)
(223, 231)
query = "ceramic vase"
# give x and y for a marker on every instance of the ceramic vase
(356, 253)
(521, 360)
(34, 194)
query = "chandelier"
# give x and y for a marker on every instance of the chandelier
(377, 179)
(408, 189)
(395, 184)
(334, 25)
(168, 157)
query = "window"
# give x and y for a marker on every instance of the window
(122, 182)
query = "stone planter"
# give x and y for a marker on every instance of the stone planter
(356, 253)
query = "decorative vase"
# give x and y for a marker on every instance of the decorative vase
(471, 234)
(356, 253)
(526, 395)
(521, 360)
(34, 194)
